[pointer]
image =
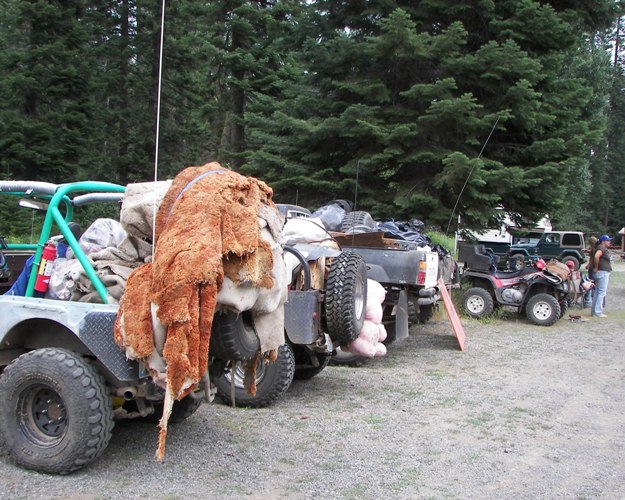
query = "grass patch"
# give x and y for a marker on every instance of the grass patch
(480, 420)
(373, 419)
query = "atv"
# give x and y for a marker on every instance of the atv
(543, 296)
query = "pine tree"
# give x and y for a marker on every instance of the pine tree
(407, 97)
(45, 104)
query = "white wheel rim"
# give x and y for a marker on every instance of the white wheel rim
(542, 310)
(475, 304)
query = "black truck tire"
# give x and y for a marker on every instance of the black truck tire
(233, 336)
(425, 313)
(56, 414)
(272, 381)
(477, 302)
(308, 372)
(543, 309)
(564, 306)
(390, 324)
(344, 358)
(357, 218)
(346, 297)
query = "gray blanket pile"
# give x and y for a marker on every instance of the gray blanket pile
(114, 248)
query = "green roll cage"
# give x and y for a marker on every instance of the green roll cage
(61, 200)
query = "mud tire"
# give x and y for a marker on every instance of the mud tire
(346, 297)
(233, 337)
(272, 381)
(425, 313)
(477, 302)
(356, 219)
(56, 414)
(543, 309)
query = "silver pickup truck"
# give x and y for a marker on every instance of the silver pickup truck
(409, 272)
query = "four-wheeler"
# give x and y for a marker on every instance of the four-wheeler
(543, 296)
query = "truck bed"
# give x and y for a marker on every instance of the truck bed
(391, 261)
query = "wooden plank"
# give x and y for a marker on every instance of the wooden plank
(452, 314)
(369, 240)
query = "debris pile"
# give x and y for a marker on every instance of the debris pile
(213, 227)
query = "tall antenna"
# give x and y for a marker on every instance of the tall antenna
(158, 120)
(356, 190)
(468, 176)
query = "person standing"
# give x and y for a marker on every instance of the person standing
(601, 269)
(593, 240)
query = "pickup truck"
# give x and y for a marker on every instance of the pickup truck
(408, 271)
(565, 246)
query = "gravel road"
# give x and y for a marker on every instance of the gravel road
(523, 412)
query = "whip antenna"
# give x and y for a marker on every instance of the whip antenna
(356, 190)
(468, 176)
(158, 120)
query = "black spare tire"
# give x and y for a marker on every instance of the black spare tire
(346, 297)
(359, 221)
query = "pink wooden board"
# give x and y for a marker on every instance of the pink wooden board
(453, 315)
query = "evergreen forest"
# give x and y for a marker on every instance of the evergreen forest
(440, 110)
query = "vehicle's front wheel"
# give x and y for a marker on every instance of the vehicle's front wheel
(272, 381)
(233, 336)
(477, 302)
(543, 309)
(56, 414)
(564, 306)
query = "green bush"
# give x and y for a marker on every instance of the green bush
(442, 240)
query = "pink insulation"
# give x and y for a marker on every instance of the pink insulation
(369, 342)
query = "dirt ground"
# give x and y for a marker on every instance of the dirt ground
(523, 412)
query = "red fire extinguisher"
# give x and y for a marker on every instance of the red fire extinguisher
(45, 268)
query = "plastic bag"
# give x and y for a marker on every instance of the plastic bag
(304, 230)
(63, 279)
(331, 215)
(369, 341)
(103, 233)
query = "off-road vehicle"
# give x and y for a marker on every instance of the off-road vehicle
(63, 379)
(565, 246)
